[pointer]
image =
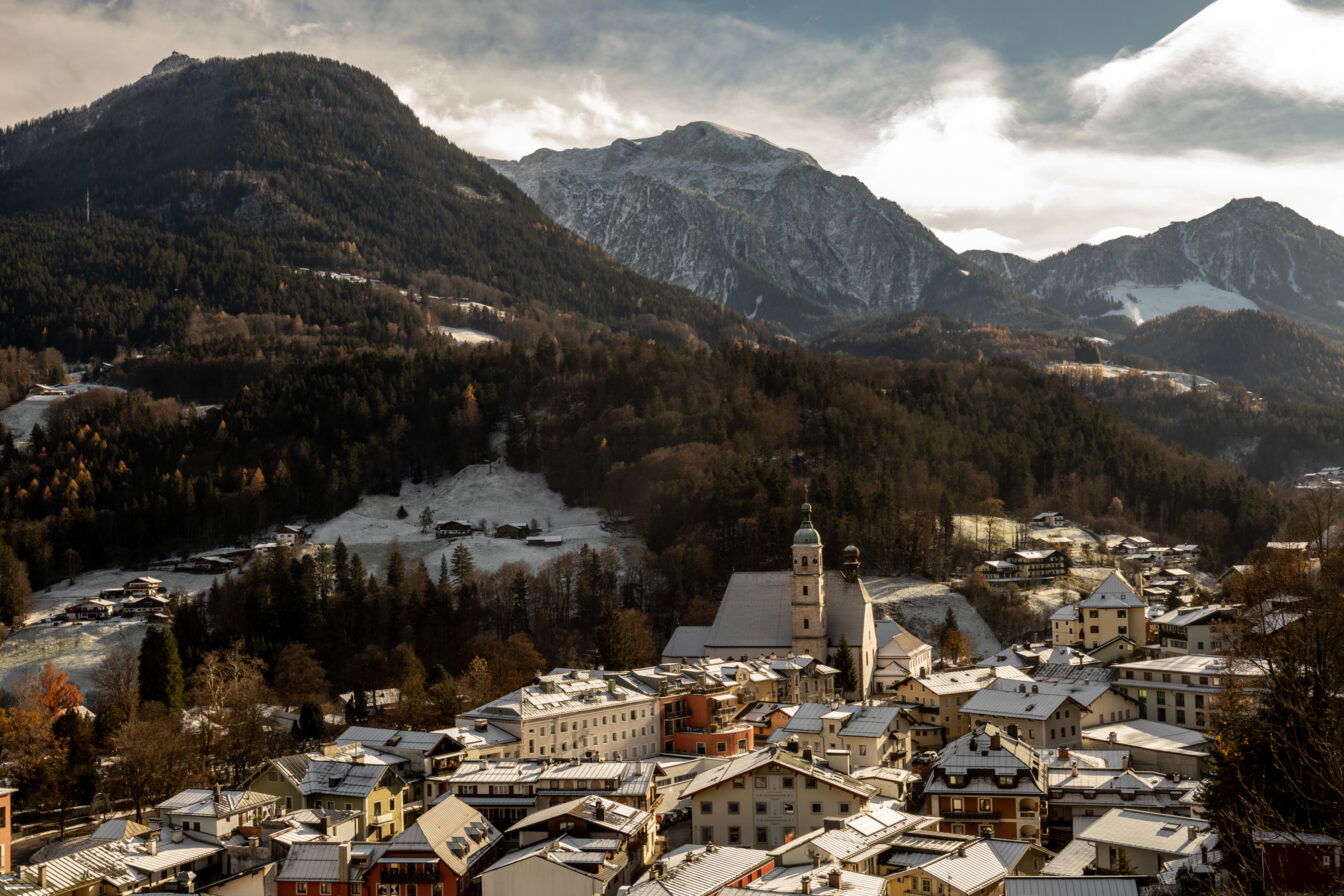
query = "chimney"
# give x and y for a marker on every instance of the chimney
(152, 844)
(839, 760)
(1035, 689)
(343, 864)
(971, 744)
(850, 568)
(1063, 754)
(961, 850)
(1012, 732)
(710, 847)
(482, 724)
(816, 858)
(1073, 769)
(1124, 762)
(1191, 833)
(807, 885)
(42, 876)
(219, 794)
(600, 811)
(833, 879)
(995, 743)
(658, 868)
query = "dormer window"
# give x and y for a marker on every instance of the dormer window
(956, 780)
(1006, 780)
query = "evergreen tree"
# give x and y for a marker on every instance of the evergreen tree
(14, 587)
(357, 708)
(463, 565)
(426, 519)
(611, 644)
(312, 725)
(161, 679)
(518, 617)
(843, 660)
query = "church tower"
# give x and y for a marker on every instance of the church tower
(808, 592)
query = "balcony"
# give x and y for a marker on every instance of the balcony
(971, 815)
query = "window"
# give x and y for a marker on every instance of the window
(804, 587)
(863, 749)
(706, 833)
(1180, 717)
(786, 782)
(760, 781)
(325, 889)
(844, 808)
(762, 836)
(924, 882)
(788, 807)
(734, 809)
(734, 834)
(739, 784)
(301, 888)
(816, 808)
(806, 624)
(810, 783)
(1093, 614)
(1094, 629)
(956, 804)
(706, 808)
(986, 805)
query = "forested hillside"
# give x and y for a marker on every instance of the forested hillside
(336, 173)
(1259, 349)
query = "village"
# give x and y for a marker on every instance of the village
(802, 743)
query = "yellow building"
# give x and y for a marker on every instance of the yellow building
(346, 778)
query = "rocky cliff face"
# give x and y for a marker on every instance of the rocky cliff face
(1248, 254)
(761, 229)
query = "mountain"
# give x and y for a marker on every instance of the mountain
(335, 172)
(760, 229)
(1258, 349)
(1249, 254)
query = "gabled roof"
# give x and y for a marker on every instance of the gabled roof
(1113, 592)
(974, 753)
(599, 811)
(967, 681)
(338, 778)
(775, 755)
(1036, 701)
(788, 881)
(394, 738)
(455, 832)
(1169, 835)
(575, 854)
(206, 802)
(860, 835)
(695, 870)
(981, 863)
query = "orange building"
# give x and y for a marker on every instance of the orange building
(6, 828)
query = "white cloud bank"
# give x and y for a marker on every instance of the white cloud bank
(1243, 99)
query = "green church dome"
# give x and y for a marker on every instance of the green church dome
(806, 536)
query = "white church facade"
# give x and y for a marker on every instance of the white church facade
(805, 610)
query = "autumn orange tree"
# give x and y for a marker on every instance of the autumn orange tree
(29, 743)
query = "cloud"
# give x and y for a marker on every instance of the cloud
(1237, 101)
(1271, 46)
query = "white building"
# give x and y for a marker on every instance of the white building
(575, 714)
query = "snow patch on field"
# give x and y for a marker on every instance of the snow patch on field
(20, 417)
(1143, 303)
(921, 606)
(78, 647)
(494, 492)
(468, 336)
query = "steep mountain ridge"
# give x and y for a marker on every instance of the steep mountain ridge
(759, 228)
(1250, 253)
(325, 161)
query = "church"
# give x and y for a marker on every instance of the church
(804, 610)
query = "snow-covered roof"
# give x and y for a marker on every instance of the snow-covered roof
(1113, 592)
